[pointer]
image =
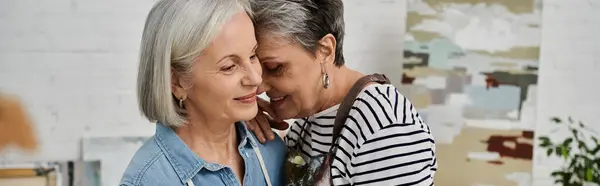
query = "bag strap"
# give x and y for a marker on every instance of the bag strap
(263, 166)
(342, 115)
(346, 105)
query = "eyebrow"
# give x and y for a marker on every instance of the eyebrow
(268, 58)
(233, 55)
(225, 57)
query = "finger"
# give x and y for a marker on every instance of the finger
(265, 126)
(257, 131)
(250, 125)
(279, 125)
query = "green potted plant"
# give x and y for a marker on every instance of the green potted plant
(580, 151)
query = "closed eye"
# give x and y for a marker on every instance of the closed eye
(274, 69)
(228, 68)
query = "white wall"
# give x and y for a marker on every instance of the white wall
(374, 36)
(570, 62)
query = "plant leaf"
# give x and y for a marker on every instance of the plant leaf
(570, 119)
(556, 120)
(567, 176)
(549, 151)
(567, 141)
(545, 141)
(574, 132)
(588, 174)
(558, 151)
(583, 146)
(556, 173)
(595, 151)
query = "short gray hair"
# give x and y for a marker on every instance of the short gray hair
(302, 21)
(175, 33)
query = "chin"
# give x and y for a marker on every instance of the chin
(245, 114)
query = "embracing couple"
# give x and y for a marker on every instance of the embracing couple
(202, 64)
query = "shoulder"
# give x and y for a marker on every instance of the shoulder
(275, 145)
(273, 151)
(272, 147)
(148, 164)
(393, 144)
(378, 106)
(377, 103)
(384, 115)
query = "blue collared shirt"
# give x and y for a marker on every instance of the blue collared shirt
(165, 160)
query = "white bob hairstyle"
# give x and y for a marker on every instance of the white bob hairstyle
(175, 33)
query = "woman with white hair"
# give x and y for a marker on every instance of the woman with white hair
(198, 77)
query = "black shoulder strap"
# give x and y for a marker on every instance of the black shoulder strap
(342, 114)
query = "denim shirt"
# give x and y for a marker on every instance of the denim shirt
(165, 160)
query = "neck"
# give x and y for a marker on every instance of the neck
(213, 141)
(342, 79)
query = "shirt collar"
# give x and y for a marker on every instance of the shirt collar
(185, 162)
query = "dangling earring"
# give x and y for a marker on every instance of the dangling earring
(325, 80)
(181, 102)
(325, 77)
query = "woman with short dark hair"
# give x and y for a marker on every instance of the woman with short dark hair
(356, 128)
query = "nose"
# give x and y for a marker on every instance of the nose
(253, 77)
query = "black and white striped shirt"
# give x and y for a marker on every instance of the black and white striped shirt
(384, 140)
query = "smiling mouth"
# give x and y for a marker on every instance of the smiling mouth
(277, 99)
(246, 97)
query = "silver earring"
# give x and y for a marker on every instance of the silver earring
(181, 102)
(325, 80)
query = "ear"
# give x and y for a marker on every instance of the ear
(326, 51)
(176, 88)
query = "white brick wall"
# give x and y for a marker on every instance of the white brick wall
(74, 65)
(570, 61)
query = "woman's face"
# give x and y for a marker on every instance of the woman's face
(226, 75)
(292, 77)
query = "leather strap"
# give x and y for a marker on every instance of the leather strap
(342, 115)
(346, 105)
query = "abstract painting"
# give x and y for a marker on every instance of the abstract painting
(471, 69)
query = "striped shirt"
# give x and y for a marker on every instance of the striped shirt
(384, 140)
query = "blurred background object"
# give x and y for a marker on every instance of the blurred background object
(16, 129)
